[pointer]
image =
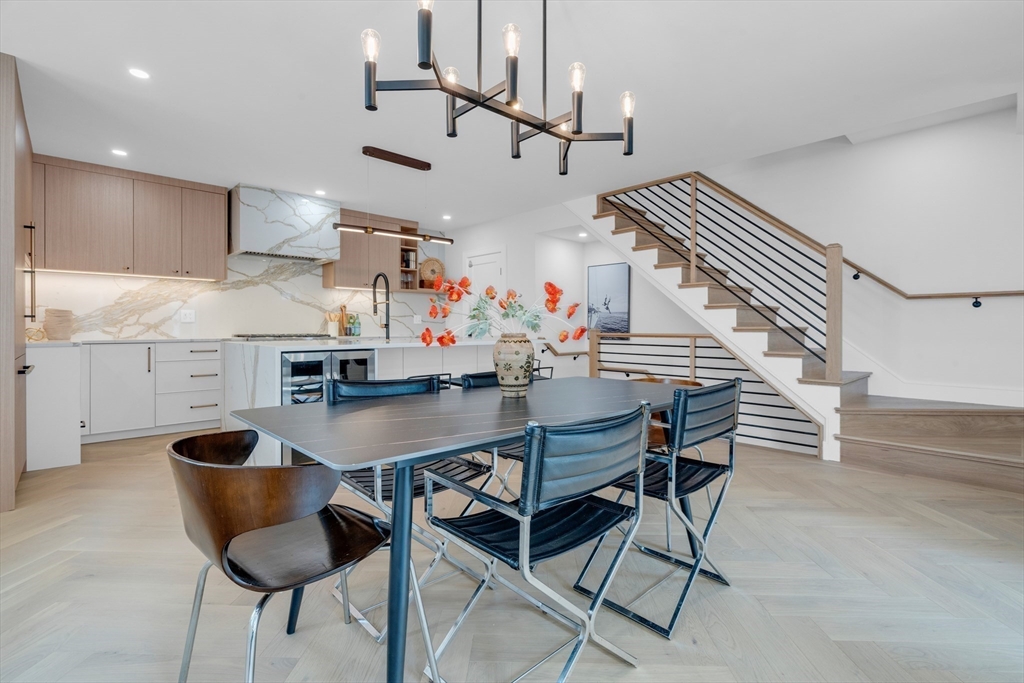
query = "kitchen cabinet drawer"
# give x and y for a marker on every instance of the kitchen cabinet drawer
(188, 351)
(188, 406)
(188, 375)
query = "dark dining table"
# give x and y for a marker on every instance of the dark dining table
(404, 431)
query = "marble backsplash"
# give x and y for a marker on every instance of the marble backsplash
(261, 295)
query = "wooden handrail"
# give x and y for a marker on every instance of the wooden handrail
(803, 238)
(558, 354)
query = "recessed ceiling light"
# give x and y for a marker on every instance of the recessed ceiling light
(583, 234)
(321, 193)
(138, 73)
(119, 152)
(446, 217)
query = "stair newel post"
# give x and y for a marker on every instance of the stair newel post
(693, 228)
(834, 312)
(693, 359)
(595, 345)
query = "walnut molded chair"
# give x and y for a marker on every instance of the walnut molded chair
(269, 529)
(564, 466)
(698, 416)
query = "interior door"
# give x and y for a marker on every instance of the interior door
(122, 387)
(487, 269)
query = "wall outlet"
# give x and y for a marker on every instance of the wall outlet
(417, 320)
(188, 316)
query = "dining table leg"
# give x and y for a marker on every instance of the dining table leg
(398, 575)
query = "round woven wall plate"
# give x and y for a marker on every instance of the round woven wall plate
(430, 269)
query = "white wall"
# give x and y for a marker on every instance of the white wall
(933, 210)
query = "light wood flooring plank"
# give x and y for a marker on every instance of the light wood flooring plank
(839, 573)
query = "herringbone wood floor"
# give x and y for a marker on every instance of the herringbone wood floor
(839, 574)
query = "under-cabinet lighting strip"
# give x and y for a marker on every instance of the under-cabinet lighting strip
(153, 277)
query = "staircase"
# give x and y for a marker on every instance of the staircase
(772, 296)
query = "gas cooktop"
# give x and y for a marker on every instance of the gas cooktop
(279, 337)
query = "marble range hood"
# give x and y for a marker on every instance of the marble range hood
(280, 224)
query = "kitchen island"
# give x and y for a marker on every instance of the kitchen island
(255, 371)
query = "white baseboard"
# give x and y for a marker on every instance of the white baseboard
(152, 431)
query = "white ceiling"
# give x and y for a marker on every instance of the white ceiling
(571, 233)
(270, 93)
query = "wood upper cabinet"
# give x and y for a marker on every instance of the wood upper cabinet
(385, 257)
(363, 256)
(39, 212)
(204, 234)
(157, 229)
(89, 218)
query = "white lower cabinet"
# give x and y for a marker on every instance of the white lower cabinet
(122, 391)
(390, 364)
(459, 360)
(422, 361)
(52, 404)
(85, 424)
(138, 386)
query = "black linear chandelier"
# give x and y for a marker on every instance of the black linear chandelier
(568, 127)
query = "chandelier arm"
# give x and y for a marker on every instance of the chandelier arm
(597, 137)
(418, 84)
(553, 123)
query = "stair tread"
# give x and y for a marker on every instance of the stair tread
(872, 403)
(848, 377)
(635, 228)
(648, 247)
(788, 354)
(686, 264)
(766, 328)
(1001, 450)
(739, 304)
(715, 285)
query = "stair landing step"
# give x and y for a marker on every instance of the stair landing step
(873, 404)
(849, 377)
(991, 450)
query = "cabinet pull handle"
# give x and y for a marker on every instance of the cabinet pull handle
(82, 423)
(26, 369)
(149, 359)
(203, 351)
(206, 405)
(31, 315)
(209, 374)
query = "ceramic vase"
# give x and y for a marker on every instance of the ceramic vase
(513, 361)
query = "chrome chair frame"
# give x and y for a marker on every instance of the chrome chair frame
(584, 622)
(421, 535)
(700, 539)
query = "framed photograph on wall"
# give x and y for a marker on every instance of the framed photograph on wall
(608, 297)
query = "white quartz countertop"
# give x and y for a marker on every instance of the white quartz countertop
(351, 344)
(51, 344)
(148, 341)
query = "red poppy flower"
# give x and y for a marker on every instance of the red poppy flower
(502, 304)
(551, 305)
(490, 292)
(427, 337)
(445, 310)
(455, 295)
(572, 310)
(450, 336)
(551, 289)
(465, 283)
(563, 335)
(579, 332)
(438, 281)
(433, 311)
(511, 295)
